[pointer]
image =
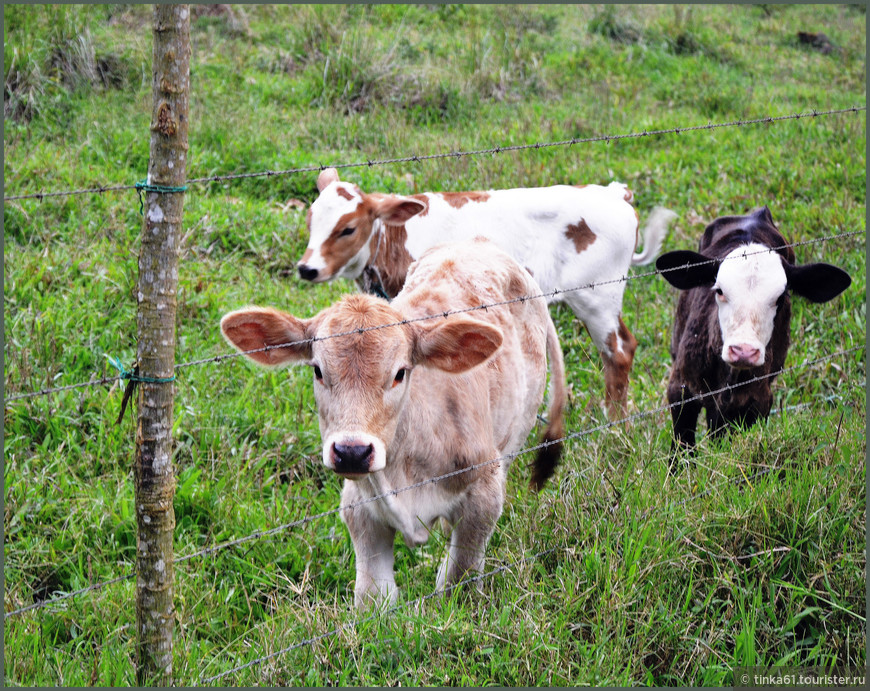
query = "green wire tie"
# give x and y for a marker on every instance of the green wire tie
(134, 375)
(133, 378)
(143, 186)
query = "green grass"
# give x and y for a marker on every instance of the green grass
(755, 555)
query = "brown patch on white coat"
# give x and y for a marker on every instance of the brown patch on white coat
(459, 199)
(581, 235)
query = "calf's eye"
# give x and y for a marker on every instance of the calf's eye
(400, 376)
(346, 231)
(318, 375)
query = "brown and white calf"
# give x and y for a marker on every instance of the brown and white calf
(733, 318)
(565, 236)
(400, 405)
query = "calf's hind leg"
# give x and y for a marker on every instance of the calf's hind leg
(618, 358)
(617, 346)
(599, 309)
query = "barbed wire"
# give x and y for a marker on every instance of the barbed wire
(42, 604)
(417, 602)
(551, 294)
(218, 359)
(59, 389)
(394, 492)
(574, 435)
(101, 189)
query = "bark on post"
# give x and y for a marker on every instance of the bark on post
(157, 289)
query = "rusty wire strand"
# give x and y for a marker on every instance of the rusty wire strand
(218, 359)
(453, 154)
(506, 457)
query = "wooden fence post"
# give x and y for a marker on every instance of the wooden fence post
(157, 289)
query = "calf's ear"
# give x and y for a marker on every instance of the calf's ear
(262, 329)
(395, 210)
(817, 282)
(326, 177)
(763, 213)
(685, 269)
(456, 345)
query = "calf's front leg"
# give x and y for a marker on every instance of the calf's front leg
(373, 552)
(749, 409)
(473, 525)
(684, 415)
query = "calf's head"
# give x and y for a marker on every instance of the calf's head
(340, 224)
(362, 360)
(750, 284)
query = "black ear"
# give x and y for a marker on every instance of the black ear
(817, 282)
(685, 269)
(763, 214)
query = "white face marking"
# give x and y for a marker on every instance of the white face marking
(326, 212)
(355, 265)
(747, 289)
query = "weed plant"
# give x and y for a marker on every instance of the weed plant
(755, 554)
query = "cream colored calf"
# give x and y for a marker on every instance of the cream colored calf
(401, 405)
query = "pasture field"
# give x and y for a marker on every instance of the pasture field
(619, 572)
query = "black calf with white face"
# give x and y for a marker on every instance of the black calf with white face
(733, 317)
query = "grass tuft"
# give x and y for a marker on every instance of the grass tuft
(613, 25)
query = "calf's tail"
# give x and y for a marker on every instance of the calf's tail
(653, 235)
(548, 455)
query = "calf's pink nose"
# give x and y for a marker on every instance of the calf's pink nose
(743, 354)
